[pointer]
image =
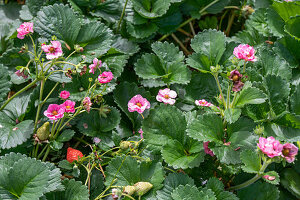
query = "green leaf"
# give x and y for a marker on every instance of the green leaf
(295, 103)
(109, 11)
(178, 150)
(166, 65)
(13, 134)
(259, 190)
(187, 192)
(207, 127)
(65, 164)
(151, 9)
(128, 171)
(278, 91)
(218, 188)
(275, 23)
(178, 157)
(123, 93)
(290, 180)
(73, 190)
(272, 173)
(251, 160)
(141, 31)
(171, 182)
(125, 46)
(200, 62)
(273, 64)
(258, 22)
(97, 183)
(167, 52)
(27, 178)
(288, 134)
(93, 124)
(4, 83)
(238, 142)
(58, 20)
(61, 21)
(231, 115)
(210, 43)
(250, 95)
(116, 62)
(286, 9)
(66, 135)
(292, 27)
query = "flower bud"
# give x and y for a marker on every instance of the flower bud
(142, 188)
(43, 132)
(130, 190)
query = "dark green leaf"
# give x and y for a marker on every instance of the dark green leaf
(251, 160)
(65, 136)
(151, 9)
(4, 83)
(186, 192)
(290, 180)
(259, 190)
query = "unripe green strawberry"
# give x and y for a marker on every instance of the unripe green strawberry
(142, 188)
(44, 131)
(125, 145)
(129, 190)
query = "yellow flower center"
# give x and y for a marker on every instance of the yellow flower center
(54, 112)
(166, 96)
(68, 107)
(139, 104)
(286, 152)
(52, 50)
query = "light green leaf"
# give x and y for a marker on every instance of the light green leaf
(231, 115)
(250, 95)
(151, 9)
(259, 190)
(251, 160)
(4, 83)
(295, 103)
(13, 134)
(292, 27)
(187, 192)
(258, 22)
(290, 180)
(128, 172)
(207, 127)
(275, 23)
(288, 134)
(171, 182)
(210, 43)
(73, 190)
(278, 91)
(286, 9)
(93, 124)
(272, 173)
(66, 135)
(167, 52)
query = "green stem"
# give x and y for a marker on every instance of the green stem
(44, 101)
(252, 180)
(81, 140)
(244, 67)
(234, 99)
(41, 153)
(46, 154)
(58, 129)
(228, 95)
(19, 92)
(220, 90)
(70, 55)
(36, 150)
(209, 5)
(122, 15)
(40, 105)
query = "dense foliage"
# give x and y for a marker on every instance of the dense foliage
(150, 99)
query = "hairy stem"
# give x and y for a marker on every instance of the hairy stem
(186, 52)
(19, 92)
(122, 15)
(40, 105)
(220, 89)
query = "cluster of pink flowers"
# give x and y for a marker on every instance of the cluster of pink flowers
(208, 150)
(24, 29)
(166, 96)
(55, 111)
(96, 63)
(288, 0)
(105, 77)
(245, 52)
(138, 104)
(273, 148)
(53, 50)
(203, 103)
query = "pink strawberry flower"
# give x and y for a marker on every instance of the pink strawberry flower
(270, 146)
(166, 96)
(141, 132)
(95, 65)
(288, 0)
(105, 77)
(52, 51)
(64, 94)
(203, 103)
(24, 29)
(87, 104)
(208, 150)
(245, 52)
(55, 111)
(138, 104)
(19, 74)
(69, 106)
(289, 152)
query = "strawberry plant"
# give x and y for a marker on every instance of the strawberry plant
(149, 99)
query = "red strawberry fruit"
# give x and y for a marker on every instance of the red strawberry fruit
(73, 154)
